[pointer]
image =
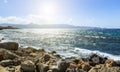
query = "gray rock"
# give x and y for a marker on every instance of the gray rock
(9, 45)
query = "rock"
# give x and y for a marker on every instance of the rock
(18, 68)
(6, 63)
(28, 66)
(29, 50)
(53, 52)
(99, 66)
(72, 66)
(33, 54)
(118, 63)
(53, 69)
(3, 69)
(110, 69)
(1, 55)
(5, 54)
(45, 58)
(9, 45)
(95, 59)
(84, 66)
(93, 70)
(110, 63)
(106, 69)
(74, 70)
(63, 65)
(42, 67)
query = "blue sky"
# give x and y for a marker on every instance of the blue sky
(97, 13)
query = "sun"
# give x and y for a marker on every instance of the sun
(48, 11)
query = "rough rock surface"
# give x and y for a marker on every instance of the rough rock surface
(28, 66)
(14, 59)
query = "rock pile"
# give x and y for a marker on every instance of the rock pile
(16, 59)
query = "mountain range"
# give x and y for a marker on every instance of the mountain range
(47, 26)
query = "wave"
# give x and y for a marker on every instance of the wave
(87, 53)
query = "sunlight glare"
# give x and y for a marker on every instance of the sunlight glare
(48, 11)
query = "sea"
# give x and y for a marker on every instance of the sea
(68, 42)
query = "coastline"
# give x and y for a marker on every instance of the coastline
(19, 59)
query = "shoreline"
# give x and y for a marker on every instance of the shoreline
(18, 59)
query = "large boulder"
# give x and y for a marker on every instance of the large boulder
(9, 45)
(28, 66)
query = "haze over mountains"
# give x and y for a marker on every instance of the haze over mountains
(46, 26)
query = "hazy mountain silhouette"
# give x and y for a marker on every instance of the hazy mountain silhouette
(47, 26)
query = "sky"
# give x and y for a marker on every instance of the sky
(94, 13)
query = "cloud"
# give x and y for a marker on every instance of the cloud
(36, 19)
(5, 1)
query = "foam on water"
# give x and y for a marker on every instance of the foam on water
(86, 53)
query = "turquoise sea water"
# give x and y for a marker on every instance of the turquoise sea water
(69, 42)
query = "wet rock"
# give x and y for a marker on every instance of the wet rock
(28, 66)
(110, 63)
(63, 65)
(53, 52)
(9, 45)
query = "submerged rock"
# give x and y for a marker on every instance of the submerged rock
(9, 45)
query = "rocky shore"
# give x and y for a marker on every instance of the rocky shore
(8, 27)
(14, 58)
